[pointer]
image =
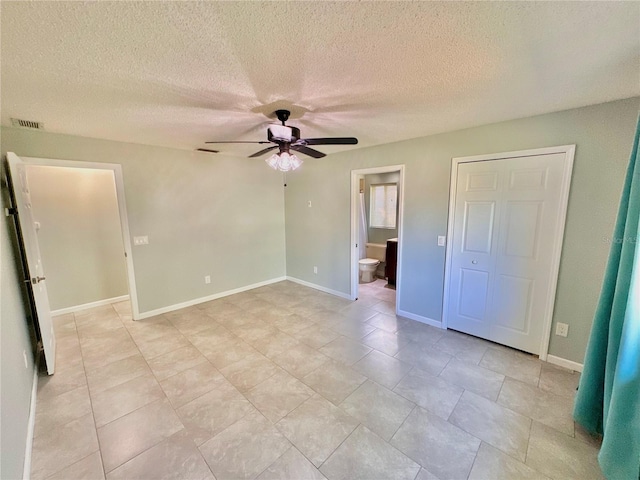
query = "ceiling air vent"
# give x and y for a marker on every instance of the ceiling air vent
(17, 122)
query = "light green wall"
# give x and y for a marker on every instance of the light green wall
(16, 378)
(378, 235)
(80, 237)
(224, 216)
(204, 214)
(603, 135)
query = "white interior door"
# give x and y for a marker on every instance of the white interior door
(37, 282)
(508, 219)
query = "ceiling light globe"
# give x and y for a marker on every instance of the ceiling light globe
(283, 161)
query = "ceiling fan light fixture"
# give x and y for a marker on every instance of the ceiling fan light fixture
(283, 161)
(283, 133)
(280, 132)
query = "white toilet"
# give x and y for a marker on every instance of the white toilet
(376, 253)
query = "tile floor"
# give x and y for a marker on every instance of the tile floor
(285, 382)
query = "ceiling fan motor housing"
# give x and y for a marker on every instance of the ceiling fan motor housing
(283, 133)
(287, 138)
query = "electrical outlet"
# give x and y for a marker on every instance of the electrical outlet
(562, 329)
(442, 240)
(141, 240)
(207, 279)
(315, 269)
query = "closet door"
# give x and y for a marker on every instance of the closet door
(508, 217)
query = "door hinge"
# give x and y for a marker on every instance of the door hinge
(10, 211)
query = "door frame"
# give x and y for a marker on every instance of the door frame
(355, 190)
(118, 178)
(569, 154)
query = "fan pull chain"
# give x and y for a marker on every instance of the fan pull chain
(284, 178)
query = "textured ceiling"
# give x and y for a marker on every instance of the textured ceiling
(180, 73)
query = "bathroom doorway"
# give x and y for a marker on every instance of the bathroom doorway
(377, 199)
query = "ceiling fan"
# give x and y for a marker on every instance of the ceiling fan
(287, 138)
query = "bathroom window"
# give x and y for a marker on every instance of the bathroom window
(383, 205)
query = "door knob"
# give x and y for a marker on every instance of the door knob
(474, 262)
(37, 280)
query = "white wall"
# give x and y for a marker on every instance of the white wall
(80, 235)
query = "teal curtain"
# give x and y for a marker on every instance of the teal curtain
(608, 399)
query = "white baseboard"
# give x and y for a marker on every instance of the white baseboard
(85, 306)
(215, 296)
(319, 287)
(26, 473)
(420, 318)
(563, 362)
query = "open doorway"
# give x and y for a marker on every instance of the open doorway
(82, 228)
(376, 235)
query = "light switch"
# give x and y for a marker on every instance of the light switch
(442, 240)
(141, 240)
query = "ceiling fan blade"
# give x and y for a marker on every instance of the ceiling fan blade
(308, 151)
(207, 150)
(262, 152)
(330, 141)
(239, 142)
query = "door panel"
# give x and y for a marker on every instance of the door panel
(522, 226)
(502, 247)
(528, 179)
(478, 182)
(31, 250)
(474, 292)
(513, 311)
(478, 227)
(472, 289)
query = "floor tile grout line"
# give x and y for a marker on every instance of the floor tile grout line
(454, 408)
(488, 443)
(415, 405)
(226, 428)
(93, 415)
(272, 463)
(206, 360)
(396, 448)
(403, 377)
(359, 424)
(118, 384)
(475, 458)
(122, 416)
(526, 453)
(204, 460)
(262, 381)
(308, 459)
(331, 403)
